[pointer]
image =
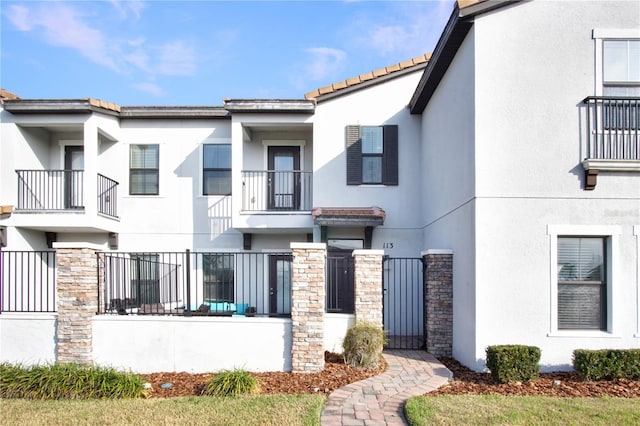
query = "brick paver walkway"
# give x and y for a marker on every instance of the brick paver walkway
(380, 400)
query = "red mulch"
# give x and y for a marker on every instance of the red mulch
(560, 384)
(336, 374)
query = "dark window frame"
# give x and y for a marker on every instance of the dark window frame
(355, 156)
(144, 170)
(568, 282)
(214, 169)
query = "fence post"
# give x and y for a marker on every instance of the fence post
(77, 290)
(368, 285)
(187, 305)
(438, 294)
(308, 307)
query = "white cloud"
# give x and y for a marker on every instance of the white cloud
(19, 17)
(176, 58)
(124, 7)
(324, 62)
(150, 88)
(412, 29)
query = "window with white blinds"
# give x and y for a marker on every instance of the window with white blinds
(144, 170)
(582, 287)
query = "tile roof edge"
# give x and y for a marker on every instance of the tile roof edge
(368, 76)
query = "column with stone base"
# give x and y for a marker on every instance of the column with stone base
(77, 291)
(368, 285)
(438, 293)
(308, 307)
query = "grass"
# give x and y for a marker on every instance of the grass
(247, 410)
(521, 410)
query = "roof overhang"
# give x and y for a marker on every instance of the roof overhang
(348, 216)
(174, 112)
(459, 24)
(59, 106)
(297, 106)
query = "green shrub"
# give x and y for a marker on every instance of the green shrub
(607, 364)
(513, 363)
(232, 383)
(363, 345)
(67, 381)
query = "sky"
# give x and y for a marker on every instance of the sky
(201, 52)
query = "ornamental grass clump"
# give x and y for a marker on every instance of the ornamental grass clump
(232, 383)
(363, 345)
(67, 381)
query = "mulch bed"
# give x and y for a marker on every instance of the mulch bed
(560, 384)
(336, 375)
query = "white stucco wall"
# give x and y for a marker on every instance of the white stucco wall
(530, 141)
(27, 338)
(448, 182)
(372, 106)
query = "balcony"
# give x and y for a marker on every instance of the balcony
(276, 191)
(63, 191)
(613, 136)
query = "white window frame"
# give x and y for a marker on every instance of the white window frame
(160, 178)
(211, 141)
(611, 234)
(601, 34)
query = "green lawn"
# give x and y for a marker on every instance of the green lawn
(521, 410)
(254, 410)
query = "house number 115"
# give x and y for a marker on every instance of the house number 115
(387, 245)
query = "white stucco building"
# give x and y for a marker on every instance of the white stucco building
(515, 145)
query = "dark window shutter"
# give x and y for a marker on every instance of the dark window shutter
(354, 155)
(390, 156)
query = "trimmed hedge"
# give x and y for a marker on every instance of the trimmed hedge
(67, 381)
(607, 364)
(513, 363)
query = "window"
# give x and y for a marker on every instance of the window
(372, 155)
(621, 67)
(144, 170)
(216, 172)
(582, 287)
(218, 277)
(145, 283)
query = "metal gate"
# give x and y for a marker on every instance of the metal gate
(403, 302)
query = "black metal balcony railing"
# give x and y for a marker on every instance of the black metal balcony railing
(107, 196)
(50, 189)
(275, 190)
(613, 125)
(55, 190)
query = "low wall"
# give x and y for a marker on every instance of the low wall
(335, 328)
(192, 344)
(27, 338)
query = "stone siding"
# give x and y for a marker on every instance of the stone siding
(368, 285)
(438, 295)
(77, 288)
(308, 307)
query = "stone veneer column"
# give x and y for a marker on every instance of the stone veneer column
(77, 290)
(307, 307)
(438, 293)
(368, 285)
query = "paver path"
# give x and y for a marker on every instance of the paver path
(380, 400)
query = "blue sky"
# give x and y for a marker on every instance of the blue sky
(199, 52)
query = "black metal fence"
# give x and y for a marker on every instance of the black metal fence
(195, 283)
(403, 302)
(613, 127)
(28, 281)
(107, 196)
(340, 292)
(50, 189)
(272, 190)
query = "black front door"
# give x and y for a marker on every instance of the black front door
(284, 177)
(340, 289)
(73, 168)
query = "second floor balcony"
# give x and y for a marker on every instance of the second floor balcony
(613, 136)
(58, 191)
(276, 191)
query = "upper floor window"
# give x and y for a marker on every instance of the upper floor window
(372, 155)
(621, 67)
(144, 169)
(216, 171)
(582, 284)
